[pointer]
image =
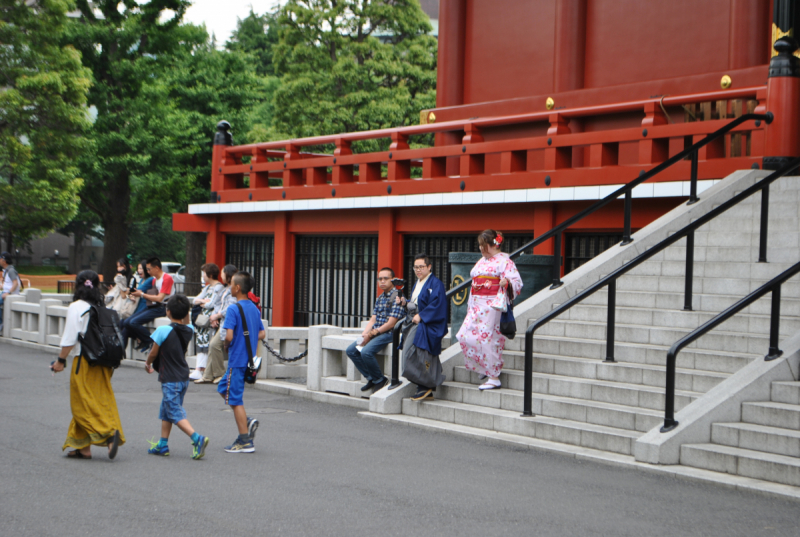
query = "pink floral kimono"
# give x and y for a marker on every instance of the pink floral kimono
(480, 337)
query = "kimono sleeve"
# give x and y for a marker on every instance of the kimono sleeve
(511, 273)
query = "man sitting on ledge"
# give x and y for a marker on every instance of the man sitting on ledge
(134, 326)
(378, 333)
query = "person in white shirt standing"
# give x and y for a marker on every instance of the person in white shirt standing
(11, 282)
(134, 326)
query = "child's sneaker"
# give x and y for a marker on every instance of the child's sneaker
(157, 448)
(252, 427)
(200, 447)
(241, 446)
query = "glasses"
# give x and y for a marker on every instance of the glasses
(384, 279)
(420, 267)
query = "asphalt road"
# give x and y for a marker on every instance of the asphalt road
(321, 470)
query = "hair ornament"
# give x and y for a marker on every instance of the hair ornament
(498, 240)
(88, 283)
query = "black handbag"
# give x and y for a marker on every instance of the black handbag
(508, 324)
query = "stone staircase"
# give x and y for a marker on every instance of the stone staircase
(581, 400)
(765, 444)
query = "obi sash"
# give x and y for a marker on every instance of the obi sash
(485, 285)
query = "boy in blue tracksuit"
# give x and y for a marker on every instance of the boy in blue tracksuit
(231, 387)
(169, 348)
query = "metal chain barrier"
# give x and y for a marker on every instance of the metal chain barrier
(277, 355)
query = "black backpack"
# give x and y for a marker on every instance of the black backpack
(102, 342)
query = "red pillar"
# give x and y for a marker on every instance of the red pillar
(390, 243)
(544, 219)
(570, 45)
(283, 273)
(215, 244)
(783, 100)
(450, 62)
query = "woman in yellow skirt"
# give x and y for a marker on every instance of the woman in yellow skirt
(95, 419)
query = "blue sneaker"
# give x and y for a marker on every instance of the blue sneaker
(252, 427)
(200, 447)
(241, 447)
(156, 448)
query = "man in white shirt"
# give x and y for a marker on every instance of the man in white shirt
(134, 326)
(11, 282)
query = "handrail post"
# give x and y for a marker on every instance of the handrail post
(527, 393)
(626, 237)
(687, 297)
(693, 183)
(762, 243)
(395, 357)
(611, 320)
(774, 325)
(669, 403)
(557, 262)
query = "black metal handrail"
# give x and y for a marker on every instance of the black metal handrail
(774, 286)
(610, 279)
(557, 232)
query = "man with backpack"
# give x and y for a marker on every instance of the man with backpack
(12, 285)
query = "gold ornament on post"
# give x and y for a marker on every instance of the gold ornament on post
(459, 298)
(431, 117)
(550, 103)
(725, 82)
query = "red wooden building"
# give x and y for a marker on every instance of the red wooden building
(542, 106)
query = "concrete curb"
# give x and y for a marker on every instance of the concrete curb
(585, 454)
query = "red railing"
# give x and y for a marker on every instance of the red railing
(556, 158)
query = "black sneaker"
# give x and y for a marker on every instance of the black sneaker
(381, 383)
(252, 427)
(367, 386)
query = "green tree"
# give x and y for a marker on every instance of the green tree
(256, 35)
(351, 65)
(127, 45)
(43, 117)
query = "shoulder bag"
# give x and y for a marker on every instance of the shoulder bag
(253, 361)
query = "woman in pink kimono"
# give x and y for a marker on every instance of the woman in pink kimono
(480, 337)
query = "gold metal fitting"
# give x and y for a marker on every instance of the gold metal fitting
(549, 103)
(431, 117)
(726, 82)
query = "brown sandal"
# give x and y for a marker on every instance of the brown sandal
(76, 454)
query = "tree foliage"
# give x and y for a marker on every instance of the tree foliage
(43, 118)
(352, 65)
(256, 35)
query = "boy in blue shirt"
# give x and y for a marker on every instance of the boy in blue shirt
(231, 387)
(169, 355)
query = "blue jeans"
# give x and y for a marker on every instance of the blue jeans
(172, 401)
(134, 327)
(365, 361)
(1, 311)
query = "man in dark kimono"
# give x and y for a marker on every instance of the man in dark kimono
(423, 330)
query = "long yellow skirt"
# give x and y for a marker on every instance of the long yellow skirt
(94, 407)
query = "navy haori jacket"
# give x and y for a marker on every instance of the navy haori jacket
(432, 306)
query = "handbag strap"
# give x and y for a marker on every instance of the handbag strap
(246, 336)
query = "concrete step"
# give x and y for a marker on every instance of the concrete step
(689, 358)
(757, 438)
(343, 386)
(717, 340)
(554, 406)
(749, 323)
(650, 375)
(772, 414)
(541, 427)
(786, 392)
(790, 307)
(704, 285)
(743, 462)
(619, 393)
(710, 268)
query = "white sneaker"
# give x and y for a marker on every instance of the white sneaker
(195, 375)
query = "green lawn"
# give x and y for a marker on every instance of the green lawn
(41, 271)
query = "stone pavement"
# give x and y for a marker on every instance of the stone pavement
(321, 470)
